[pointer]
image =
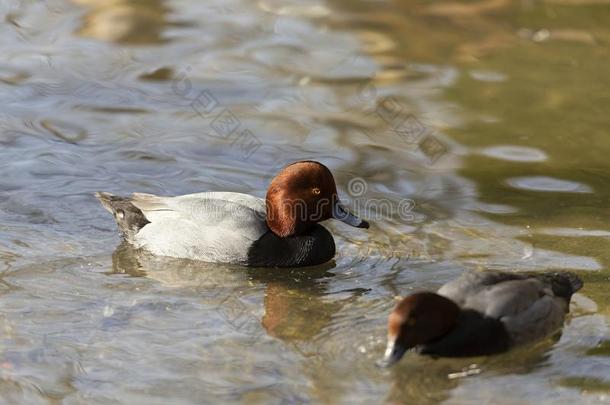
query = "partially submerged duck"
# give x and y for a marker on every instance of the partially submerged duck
(281, 230)
(480, 313)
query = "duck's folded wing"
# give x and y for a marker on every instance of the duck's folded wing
(205, 209)
(508, 298)
(212, 226)
(542, 318)
(528, 308)
(472, 282)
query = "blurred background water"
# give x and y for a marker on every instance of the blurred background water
(489, 115)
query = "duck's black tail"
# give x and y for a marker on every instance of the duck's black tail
(128, 217)
(563, 283)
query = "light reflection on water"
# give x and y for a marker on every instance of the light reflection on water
(446, 104)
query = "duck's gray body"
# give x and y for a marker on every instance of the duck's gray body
(220, 227)
(501, 310)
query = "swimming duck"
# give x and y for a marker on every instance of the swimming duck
(281, 230)
(480, 313)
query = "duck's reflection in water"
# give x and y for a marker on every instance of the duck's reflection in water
(135, 22)
(294, 308)
(428, 380)
(293, 305)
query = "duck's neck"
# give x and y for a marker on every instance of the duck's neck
(284, 224)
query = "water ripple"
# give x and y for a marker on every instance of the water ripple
(548, 184)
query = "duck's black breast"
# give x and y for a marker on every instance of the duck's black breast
(473, 335)
(316, 246)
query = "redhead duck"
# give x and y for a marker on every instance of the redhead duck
(480, 313)
(280, 231)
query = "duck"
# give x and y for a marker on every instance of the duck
(281, 230)
(480, 313)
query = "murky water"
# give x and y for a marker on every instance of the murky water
(489, 116)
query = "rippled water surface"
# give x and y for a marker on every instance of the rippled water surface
(491, 116)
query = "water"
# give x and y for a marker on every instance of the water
(490, 117)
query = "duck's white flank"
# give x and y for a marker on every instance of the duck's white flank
(212, 226)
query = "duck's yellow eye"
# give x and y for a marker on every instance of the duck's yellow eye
(316, 191)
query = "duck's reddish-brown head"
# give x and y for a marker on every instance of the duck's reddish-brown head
(419, 318)
(303, 194)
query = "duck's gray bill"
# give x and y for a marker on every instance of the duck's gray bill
(343, 215)
(393, 353)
